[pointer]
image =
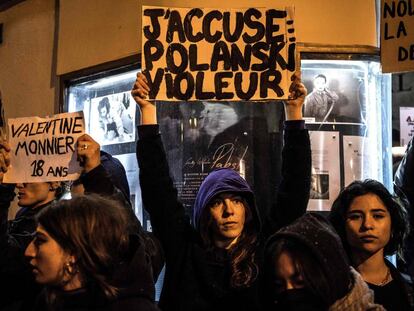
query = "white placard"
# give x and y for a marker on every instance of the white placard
(44, 149)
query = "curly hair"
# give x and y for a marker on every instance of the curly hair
(244, 269)
(395, 206)
(80, 227)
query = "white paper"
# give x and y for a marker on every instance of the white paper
(356, 159)
(44, 149)
(325, 181)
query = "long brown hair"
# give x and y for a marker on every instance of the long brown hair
(94, 230)
(244, 269)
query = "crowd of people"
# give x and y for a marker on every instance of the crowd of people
(90, 252)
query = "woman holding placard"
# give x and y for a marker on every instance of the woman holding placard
(217, 264)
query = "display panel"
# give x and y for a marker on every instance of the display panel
(345, 111)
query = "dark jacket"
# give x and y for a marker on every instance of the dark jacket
(15, 275)
(404, 187)
(102, 180)
(405, 286)
(133, 277)
(196, 278)
(16, 280)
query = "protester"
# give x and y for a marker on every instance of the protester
(18, 288)
(84, 265)
(307, 269)
(404, 186)
(372, 224)
(109, 180)
(105, 175)
(216, 265)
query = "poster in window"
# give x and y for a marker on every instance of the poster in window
(112, 118)
(336, 93)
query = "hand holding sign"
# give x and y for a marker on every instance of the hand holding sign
(43, 149)
(298, 92)
(4, 159)
(89, 152)
(140, 92)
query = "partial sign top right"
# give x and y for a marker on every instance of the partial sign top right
(397, 35)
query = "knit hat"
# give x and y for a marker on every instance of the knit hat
(316, 234)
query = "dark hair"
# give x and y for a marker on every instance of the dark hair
(80, 227)
(244, 269)
(394, 205)
(320, 76)
(306, 264)
(104, 103)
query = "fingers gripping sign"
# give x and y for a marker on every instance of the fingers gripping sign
(4, 159)
(297, 94)
(140, 92)
(88, 152)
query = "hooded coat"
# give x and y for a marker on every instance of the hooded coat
(404, 187)
(316, 235)
(198, 277)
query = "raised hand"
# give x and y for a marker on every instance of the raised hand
(298, 92)
(88, 152)
(140, 92)
(4, 158)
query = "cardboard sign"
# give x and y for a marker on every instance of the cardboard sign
(397, 35)
(44, 149)
(218, 54)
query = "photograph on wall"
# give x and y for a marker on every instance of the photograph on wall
(112, 118)
(336, 92)
(319, 187)
(325, 178)
(356, 158)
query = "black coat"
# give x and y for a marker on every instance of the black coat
(195, 278)
(16, 280)
(404, 186)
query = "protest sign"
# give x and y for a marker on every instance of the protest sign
(397, 35)
(218, 54)
(44, 149)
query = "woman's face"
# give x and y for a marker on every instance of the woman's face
(228, 213)
(49, 261)
(368, 224)
(291, 292)
(35, 194)
(287, 275)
